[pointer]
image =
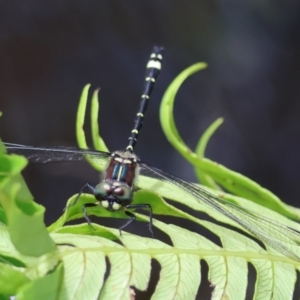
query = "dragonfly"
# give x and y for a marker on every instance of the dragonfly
(115, 191)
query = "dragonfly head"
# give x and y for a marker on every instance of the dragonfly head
(113, 196)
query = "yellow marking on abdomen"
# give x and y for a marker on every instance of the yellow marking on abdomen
(150, 79)
(154, 64)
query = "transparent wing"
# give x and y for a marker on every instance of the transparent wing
(266, 230)
(57, 154)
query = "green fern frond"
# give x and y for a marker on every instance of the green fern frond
(84, 262)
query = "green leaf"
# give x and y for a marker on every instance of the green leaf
(47, 288)
(9, 253)
(211, 172)
(78, 267)
(80, 134)
(130, 263)
(236, 251)
(189, 248)
(166, 113)
(98, 142)
(23, 216)
(200, 151)
(3, 218)
(8, 286)
(2, 148)
(83, 257)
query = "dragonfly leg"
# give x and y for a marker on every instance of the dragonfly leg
(147, 206)
(84, 206)
(131, 219)
(87, 187)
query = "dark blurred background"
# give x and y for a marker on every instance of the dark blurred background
(50, 50)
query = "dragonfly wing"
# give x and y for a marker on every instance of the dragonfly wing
(57, 154)
(266, 230)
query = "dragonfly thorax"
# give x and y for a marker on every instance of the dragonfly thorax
(116, 189)
(122, 168)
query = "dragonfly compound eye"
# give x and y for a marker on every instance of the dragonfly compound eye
(123, 192)
(103, 189)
